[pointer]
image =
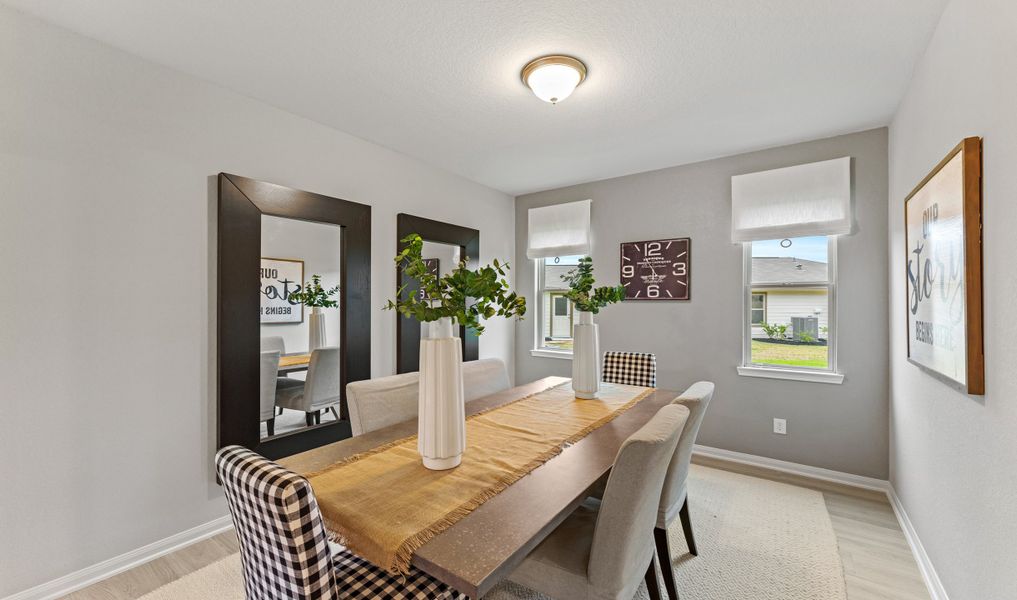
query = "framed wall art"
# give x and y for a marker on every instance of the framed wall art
(656, 269)
(280, 277)
(942, 226)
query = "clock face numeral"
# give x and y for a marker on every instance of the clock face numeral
(656, 269)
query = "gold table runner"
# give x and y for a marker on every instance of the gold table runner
(383, 504)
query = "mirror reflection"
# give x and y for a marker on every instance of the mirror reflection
(300, 324)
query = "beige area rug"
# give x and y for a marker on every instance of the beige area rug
(758, 540)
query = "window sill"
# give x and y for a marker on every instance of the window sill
(792, 374)
(545, 353)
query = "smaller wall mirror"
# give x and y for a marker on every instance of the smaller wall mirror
(445, 245)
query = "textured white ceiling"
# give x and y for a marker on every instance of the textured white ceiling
(670, 81)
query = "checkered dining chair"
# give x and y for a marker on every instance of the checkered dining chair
(284, 548)
(631, 368)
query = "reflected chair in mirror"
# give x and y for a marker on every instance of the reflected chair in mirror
(273, 342)
(268, 372)
(320, 391)
(284, 547)
(604, 549)
(630, 368)
(674, 501)
(384, 401)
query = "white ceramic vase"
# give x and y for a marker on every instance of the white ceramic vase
(441, 421)
(585, 357)
(316, 330)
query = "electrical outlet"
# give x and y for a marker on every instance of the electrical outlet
(780, 426)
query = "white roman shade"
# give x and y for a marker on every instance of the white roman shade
(810, 199)
(559, 230)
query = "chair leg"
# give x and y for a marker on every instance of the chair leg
(280, 411)
(664, 558)
(652, 586)
(271, 426)
(317, 417)
(309, 417)
(687, 527)
(334, 413)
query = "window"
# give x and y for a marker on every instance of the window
(554, 318)
(790, 319)
(758, 308)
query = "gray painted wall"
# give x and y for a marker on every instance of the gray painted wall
(953, 457)
(836, 427)
(104, 191)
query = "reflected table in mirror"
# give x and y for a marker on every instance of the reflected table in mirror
(292, 363)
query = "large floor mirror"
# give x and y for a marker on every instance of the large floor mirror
(445, 245)
(294, 314)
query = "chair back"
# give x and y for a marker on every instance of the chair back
(269, 371)
(322, 387)
(623, 537)
(384, 401)
(484, 377)
(283, 544)
(696, 399)
(273, 342)
(630, 368)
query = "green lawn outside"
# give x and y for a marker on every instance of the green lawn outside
(787, 354)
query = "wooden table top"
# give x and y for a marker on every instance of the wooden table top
(294, 362)
(488, 544)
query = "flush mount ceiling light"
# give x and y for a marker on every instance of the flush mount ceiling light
(553, 78)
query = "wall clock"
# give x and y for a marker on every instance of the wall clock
(656, 270)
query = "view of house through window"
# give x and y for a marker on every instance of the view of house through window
(556, 314)
(789, 287)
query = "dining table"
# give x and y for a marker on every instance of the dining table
(294, 362)
(485, 546)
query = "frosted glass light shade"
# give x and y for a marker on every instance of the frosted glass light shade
(554, 78)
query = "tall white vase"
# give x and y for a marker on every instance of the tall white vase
(585, 357)
(316, 330)
(441, 421)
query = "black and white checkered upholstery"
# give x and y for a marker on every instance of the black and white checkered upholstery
(284, 546)
(631, 368)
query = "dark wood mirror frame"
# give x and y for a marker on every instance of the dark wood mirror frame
(242, 202)
(407, 330)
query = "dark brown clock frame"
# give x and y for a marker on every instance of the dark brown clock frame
(688, 270)
(242, 202)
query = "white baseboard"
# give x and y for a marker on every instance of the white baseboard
(118, 564)
(936, 589)
(858, 481)
(932, 582)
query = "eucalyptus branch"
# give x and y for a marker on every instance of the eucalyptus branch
(314, 295)
(582, 293)
(468, 296)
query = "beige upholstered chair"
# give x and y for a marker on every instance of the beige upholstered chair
(268, 371)
(674, 499)
(320, 391)
(273, 342)
(384, 401)
(603, 549)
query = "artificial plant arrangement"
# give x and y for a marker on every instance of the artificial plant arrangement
(467, 296)
(313, 295)
(583, 295)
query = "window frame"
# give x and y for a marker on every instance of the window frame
(831, 374)
(539, 349)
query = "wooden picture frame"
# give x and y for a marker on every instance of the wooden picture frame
(943, 270)
(242, 202)
(407, 329)
(281, 293)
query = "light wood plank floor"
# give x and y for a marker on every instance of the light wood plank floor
(878, 564)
